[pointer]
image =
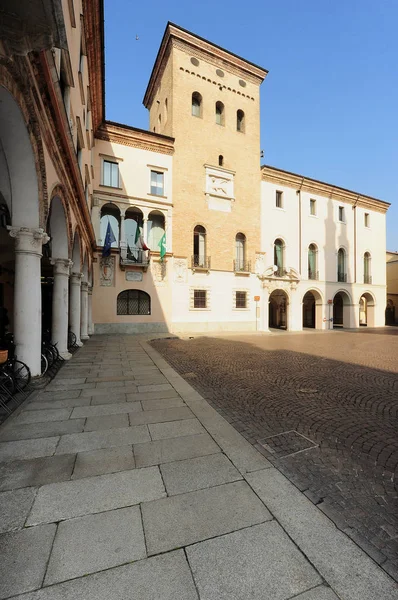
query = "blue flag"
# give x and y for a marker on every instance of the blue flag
(109, 239)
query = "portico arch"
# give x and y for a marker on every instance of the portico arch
(367, 310)
(312, 309)
(341, 309)
(278, 309)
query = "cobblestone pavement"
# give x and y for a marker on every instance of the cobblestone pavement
(333, 396)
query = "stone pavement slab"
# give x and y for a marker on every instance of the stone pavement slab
(171, 449)
(65, 403)
(152, 395)
(160, 387)
(68, 499)
(164, 577)
(106, 409)
(14, 508)
(188, 518)
(28, 448)
(346, 568)
(35, 471)
(96, 542)
(161, 403)
(99, 462)
(106, 394)
(60, 414)
(24, 555)
(107, 422)
(40, 430)
(161, 416)
(107, 398)
(161, 431)
(198, 473)
(94, 440)
(258, 562)
(318, 593)
(51, 396)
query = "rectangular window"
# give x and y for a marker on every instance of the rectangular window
(279, 200)
(341, 214)
(110, 173)
(367, 220)
(312, 206)
(157, 183)
(240, 300)
(199, 299)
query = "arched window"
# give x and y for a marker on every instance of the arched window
(220, 160)
(199, 246)
(341, 265)
(110, 215)
(196, 104)
(240, 121)
(312, 262)
(367, 277)
(133, 229)
(219, 113)
(240, 252)
(133, 302)
(278, 257)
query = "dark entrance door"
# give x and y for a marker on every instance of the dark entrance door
(309, 310)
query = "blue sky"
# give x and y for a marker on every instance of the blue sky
(329, 105)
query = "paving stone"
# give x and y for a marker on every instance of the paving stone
(99, 378)
(106, 422)
(198, 473)
(67, 380)
(107, 393)
(171, 449)
(50, 396)
(35, 471)
(167, 577)
(14, 508)
(107, 409)
(95, 440)
(110, 385)
(188, 518)
(258, 562)
(319, 593)
(43, 416)
(99, 462)
(60, 501)
(160, 387)
(96, 542)
(24, 555)
(158, 395)
(40, 430)
(65, 403)
(28, 448)
(161, 431)
(108, 399)
(161, 403)
(161, 416)
(344, 566)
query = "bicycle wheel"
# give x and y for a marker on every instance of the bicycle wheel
(7, 385)
(55, 352)
(49, 356)
(21, 374)
(44, 364)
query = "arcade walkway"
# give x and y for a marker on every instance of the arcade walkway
(120, 482)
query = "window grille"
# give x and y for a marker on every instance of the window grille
(133, 302)
(199, 299)
(241, 300)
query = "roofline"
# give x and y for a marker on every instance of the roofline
(138, 130)
(336, 187)
(161, 51)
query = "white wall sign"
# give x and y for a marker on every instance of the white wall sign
(133, 276)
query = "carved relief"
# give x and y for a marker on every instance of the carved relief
(180, 270)
(158, 270)
(218, 185)
(219, 188)
(107, 271)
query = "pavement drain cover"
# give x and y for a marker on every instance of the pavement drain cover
(286, 444)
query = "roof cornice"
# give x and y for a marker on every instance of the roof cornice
(177, 35)
(134, 137)
(306, 184)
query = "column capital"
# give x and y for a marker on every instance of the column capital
(90, 290)
(28, 240)
(76, 278)
(61, 266)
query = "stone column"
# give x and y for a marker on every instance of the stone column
(60, 305)
(27, 295)
(90, 310)
(264, 312)
(84, 311)
(74, 309)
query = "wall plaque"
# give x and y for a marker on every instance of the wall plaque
(133, 276)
